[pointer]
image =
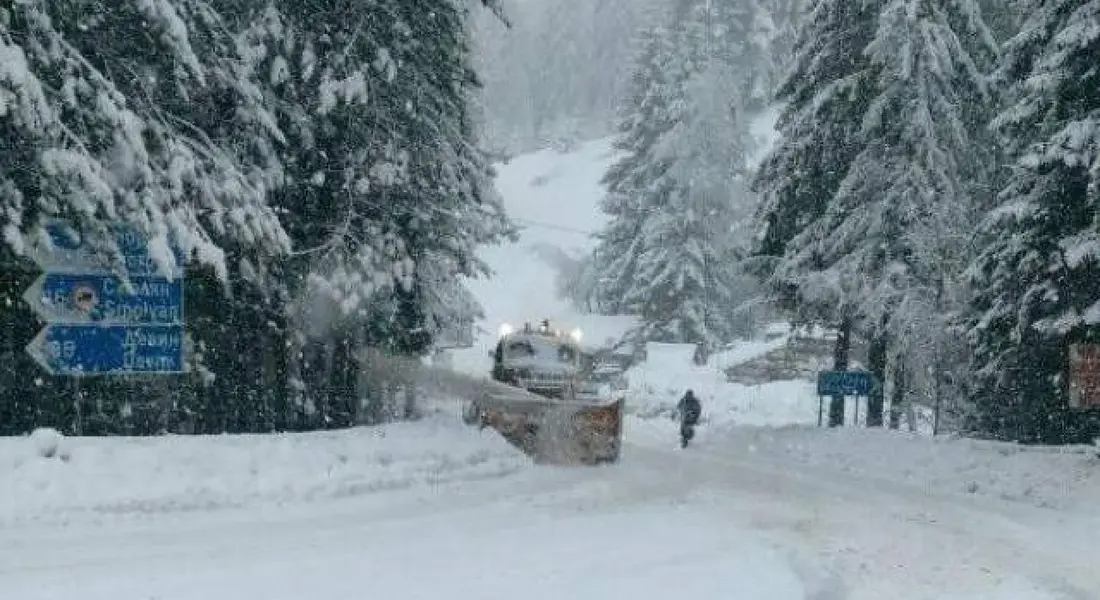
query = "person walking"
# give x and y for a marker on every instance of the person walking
(690, 409)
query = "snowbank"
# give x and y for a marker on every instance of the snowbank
(1062, 477)
(657, 384)
(746, 350)
(776, 421)
(200, 472)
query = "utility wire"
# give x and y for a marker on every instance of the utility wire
(545, 225)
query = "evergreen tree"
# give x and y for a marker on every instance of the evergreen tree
(825, 89)
(109, 128)
(1038, 270)
(894, 224)
(824, 93)
(877, 226)
(679, 193)
(102, 124)
(382, 177)
(643, 121)
(785, 18)
(243, 129)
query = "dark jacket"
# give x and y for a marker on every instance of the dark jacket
(690, 409)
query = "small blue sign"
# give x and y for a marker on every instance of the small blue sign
(103, 298)
(844, 383)
(109, 349)
(72, 253)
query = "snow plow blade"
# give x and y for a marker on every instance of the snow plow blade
(556, 431)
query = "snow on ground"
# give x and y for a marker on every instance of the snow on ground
(776, 421)
(762, 506)
(657, 384)
(193, 473)
(1063, 478)
(746, 350)
(604, 538)
(703, 523)
(554, 197)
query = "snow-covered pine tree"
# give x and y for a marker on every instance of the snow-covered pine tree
(694, 238)
(121, 133)
(900, 221)
(824, 93)
(678, 193)
(448, 207)
(105, 117)
(1038, 274)
(859, 202)
(216, 108)
(644, 118)
(383, 171)
(755, 48)
(785, 18)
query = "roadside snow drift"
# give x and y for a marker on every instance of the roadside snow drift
(184, 473)
(775, 423)
(1048, 477)
(657, 384)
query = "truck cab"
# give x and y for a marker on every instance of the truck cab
(543, 361)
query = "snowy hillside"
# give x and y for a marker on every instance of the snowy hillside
(554, 197)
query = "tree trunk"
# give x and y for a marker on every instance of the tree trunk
(78, 407)
(937, 366)
(326, 388)
(411, 413)
(897, 393)
(840, 363)
(876, 363)
(937, 396)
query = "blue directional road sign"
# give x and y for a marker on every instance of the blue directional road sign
(103, 298)
(98, 325)
(70, 252)
(844, 383)
(67, 349)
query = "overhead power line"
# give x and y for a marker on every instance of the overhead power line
(554, 226)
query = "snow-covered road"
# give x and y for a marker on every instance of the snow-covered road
(542, 533)
(440, 511)
(662, 523)
(874, 538)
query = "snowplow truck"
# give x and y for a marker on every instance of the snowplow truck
(544, 400)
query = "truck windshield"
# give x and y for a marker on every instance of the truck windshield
(545, 350)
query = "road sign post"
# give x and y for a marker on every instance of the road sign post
(842, 383)
(100, 324)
